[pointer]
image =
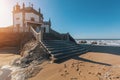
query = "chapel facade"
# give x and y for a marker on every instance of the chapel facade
(25, 17)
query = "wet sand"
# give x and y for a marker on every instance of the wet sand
(5, 74)
(7, 55)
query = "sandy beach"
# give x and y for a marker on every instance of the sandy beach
(7, 55)
(81, 42)
(89, 66)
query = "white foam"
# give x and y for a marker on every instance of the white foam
(6, 67)
(1, 72)
(103, 42)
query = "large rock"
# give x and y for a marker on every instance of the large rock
(32, 51)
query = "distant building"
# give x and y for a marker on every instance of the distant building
(24, 17)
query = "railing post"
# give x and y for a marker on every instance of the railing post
(37, 37)
(26, 27)
(41, 34)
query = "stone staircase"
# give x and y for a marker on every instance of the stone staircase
(59, 49)
(56, 47)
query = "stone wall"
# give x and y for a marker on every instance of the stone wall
(12, 39)
(103, 49)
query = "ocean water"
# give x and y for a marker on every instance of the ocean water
(109, 42)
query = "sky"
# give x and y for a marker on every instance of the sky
(83, 19)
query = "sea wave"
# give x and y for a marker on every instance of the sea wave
(101, 42)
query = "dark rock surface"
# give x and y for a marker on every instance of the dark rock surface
(31, 52)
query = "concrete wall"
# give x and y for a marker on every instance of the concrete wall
(11, 39)
(103, 49)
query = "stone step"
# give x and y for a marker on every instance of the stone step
(59, 49)
(67, 53)
(54, 41)
(59, 45)
(56, 46)
(65, 56)
(58, 42)
(65, 43)
(64, 50)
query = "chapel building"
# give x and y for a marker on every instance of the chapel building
(25, 17)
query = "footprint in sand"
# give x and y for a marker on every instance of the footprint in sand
(65, 66)
(91, 66)
(74, 79)
(89, 73)
(72, 65)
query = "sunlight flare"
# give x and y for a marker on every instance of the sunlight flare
(4, 13)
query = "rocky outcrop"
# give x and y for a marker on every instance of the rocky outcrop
(32, 53)
(28, 65)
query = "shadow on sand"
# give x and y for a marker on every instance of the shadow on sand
(87, 60)
(77, 57)
(114, 50)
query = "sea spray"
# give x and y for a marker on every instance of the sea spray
(18, 73)
(6, 71)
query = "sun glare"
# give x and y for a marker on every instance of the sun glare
(4, 13)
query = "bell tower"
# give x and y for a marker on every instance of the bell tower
(17, 7)
(16, 20)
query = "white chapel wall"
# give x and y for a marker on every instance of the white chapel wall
(28, 16)
(18, 19)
